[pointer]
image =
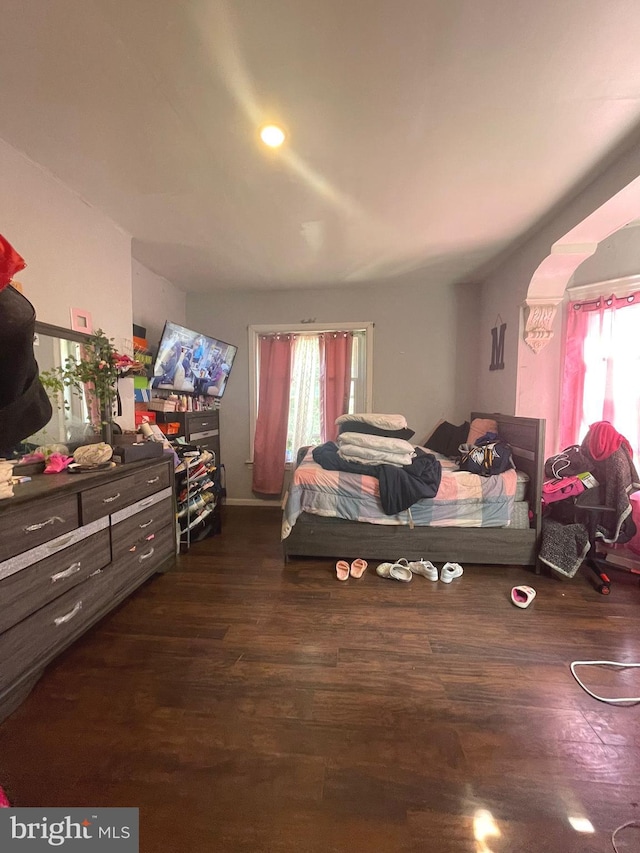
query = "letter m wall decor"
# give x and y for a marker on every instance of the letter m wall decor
(497, 345)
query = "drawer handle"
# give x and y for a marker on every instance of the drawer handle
(111, 499)
(146, 556)
(153, 480)
(32, 527)
(145, 503)
(73, 568)
(69, 616)
(142, 526)
(59, 543)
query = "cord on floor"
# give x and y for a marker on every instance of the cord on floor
(622, 700)
(617, 830)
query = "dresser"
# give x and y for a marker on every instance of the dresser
(201, 428)
(72, 547)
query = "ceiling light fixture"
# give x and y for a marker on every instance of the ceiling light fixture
(272, 135)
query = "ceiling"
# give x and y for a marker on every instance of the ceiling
(425, 136)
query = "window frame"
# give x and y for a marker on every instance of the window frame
(254, 333)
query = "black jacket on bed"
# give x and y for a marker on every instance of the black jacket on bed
(400, 486)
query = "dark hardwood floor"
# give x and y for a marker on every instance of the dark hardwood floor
(247, 706)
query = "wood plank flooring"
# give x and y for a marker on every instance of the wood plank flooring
(247, 706)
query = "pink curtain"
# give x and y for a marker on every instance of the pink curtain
(270, 443)
(335, 356)
(602, 351)
(574, 371)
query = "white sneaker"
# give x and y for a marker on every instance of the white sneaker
(424, 568)
(450, 571)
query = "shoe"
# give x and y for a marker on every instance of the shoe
(424, 568)
(342, 570)
(522, 596)
(395, 571)
(450, 571)
(358, 568)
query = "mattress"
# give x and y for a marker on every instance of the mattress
(462, 500)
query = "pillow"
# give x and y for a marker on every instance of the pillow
(447, 438)
(359, 426)
(480, 426)
(381, 421)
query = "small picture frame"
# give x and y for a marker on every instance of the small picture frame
(81, 321)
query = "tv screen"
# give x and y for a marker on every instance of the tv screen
(191, 362)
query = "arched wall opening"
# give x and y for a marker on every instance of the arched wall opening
(539, 361)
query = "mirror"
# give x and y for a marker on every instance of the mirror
(70, 423)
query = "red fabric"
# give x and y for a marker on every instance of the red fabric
(574, 370)
(603, 440)
(335, 353)
(270, 442)
(10, 262)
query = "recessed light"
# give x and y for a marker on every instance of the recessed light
(272, 135)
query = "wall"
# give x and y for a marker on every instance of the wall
(530, 384)
(76, 256)
(615, 257)
(155, 299)
(424, 347)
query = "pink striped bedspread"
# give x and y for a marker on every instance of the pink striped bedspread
(463, 499)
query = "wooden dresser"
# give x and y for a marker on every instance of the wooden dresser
(72, 547)
(201, 428)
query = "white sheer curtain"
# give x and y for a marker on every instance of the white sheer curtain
(612, 375)
(304, 406)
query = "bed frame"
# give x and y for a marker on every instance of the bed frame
(316, 536)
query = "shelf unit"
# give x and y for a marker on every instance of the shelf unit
(197, 494)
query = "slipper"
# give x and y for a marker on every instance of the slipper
(395, 571)
(342, 570)
(522, 596)
(358, 568)
(450, 571)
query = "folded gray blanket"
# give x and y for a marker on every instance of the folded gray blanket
(564, 546)
(618, 477)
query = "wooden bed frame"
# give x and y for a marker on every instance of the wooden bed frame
(316, 536)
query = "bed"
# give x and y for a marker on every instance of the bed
(315, 535)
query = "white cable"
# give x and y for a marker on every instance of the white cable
(617, 830)
(622, 700)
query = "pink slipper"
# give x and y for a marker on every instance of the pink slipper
(342, 570)
(358, 568)
(522, 596)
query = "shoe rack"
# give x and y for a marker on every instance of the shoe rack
(198, 495)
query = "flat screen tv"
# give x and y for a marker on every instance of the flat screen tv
(192, 363)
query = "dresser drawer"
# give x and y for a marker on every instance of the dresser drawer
(25, 591)
(109, 499)
(25, 527)
(135, 531)
(200, 422)
(134, 567)
(152, 480)
(39, 638)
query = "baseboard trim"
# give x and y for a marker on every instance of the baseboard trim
(251, 502)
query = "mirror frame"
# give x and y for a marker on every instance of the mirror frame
(60, 332)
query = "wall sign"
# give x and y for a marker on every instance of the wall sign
(497, 345)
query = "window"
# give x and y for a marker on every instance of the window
(305, 421)
(602, 368)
